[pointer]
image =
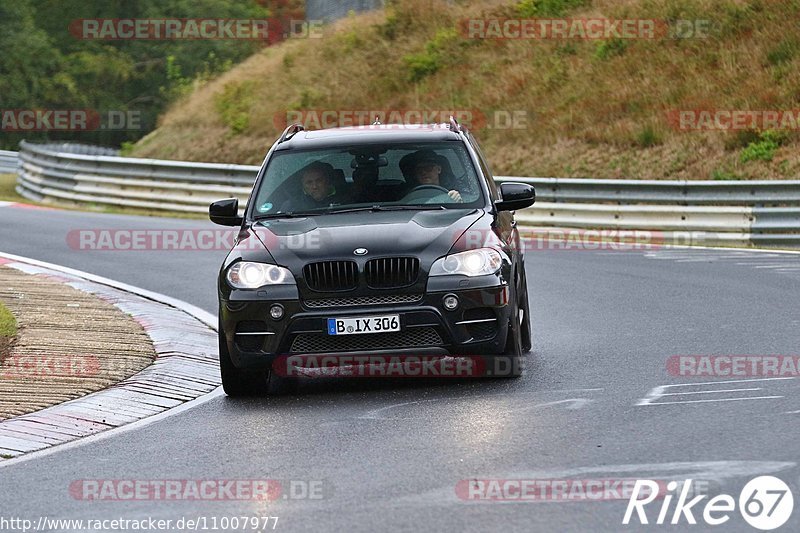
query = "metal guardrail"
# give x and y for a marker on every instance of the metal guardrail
(740, 213)
(763, 213)
(8, 162)
(64, 173)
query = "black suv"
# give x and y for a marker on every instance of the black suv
(382, 239)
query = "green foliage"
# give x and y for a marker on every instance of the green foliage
(126, 149)
(764, 149)
(648, 137)
(390, 28)
(740, 139)
(721, 174)
(45, 66)
(437, 50)
(547, 8)
(784, 52)
(8, 325)
(308, 99)
(233, 105)
(610, 48)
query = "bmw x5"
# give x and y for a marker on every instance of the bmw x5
(387, 239)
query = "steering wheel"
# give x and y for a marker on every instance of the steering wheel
(428, 187)
(422, 193)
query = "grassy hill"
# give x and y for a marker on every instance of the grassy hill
(598, 108)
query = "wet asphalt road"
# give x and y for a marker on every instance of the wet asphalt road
(391, 454)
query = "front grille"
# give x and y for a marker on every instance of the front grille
(331, 276)
(391, 272)
(363, 300)
(411, 338)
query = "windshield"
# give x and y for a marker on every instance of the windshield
(421, 175)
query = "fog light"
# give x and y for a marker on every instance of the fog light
(276, 312)
(450, 302)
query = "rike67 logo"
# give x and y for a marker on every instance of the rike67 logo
(765, 503)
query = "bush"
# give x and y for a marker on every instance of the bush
(233, 105)
(764, 149)
(724, 175)
(648, 137)
(428, 62)
(610, 48)
(740, 139)
(783, 53)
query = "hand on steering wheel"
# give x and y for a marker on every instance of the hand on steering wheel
(454, 195)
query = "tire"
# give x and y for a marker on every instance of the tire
(281, 385)
(525, 326)
(238, 382)
(514, 348)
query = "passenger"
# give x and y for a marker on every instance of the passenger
(318, 190)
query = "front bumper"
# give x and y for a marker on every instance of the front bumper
(478, 326)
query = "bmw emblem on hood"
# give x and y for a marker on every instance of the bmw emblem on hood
(360, 251)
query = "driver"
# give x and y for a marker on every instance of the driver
(427, 170)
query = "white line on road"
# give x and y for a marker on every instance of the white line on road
(575, 403)
(707, 392)
(659, 391)
(714, 400)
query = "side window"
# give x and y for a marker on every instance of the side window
(485, 169)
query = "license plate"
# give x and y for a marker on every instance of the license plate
(365, 324)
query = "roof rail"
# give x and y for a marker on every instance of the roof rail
(454, 125)
(290, 132)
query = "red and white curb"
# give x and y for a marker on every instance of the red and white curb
(24, 206)
(185, 369)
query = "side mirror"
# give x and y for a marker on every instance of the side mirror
(225, 212)
(515, 196)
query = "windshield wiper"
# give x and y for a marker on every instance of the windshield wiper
(378, 208)
(290, 214)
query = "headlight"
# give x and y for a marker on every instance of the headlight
(247, 275)
(471, 263)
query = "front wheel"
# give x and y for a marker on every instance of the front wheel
(237, 382)
(514, 349)
(525, 316)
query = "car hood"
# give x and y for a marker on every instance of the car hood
(293, 242)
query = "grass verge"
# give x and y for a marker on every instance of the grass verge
(8, 330)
